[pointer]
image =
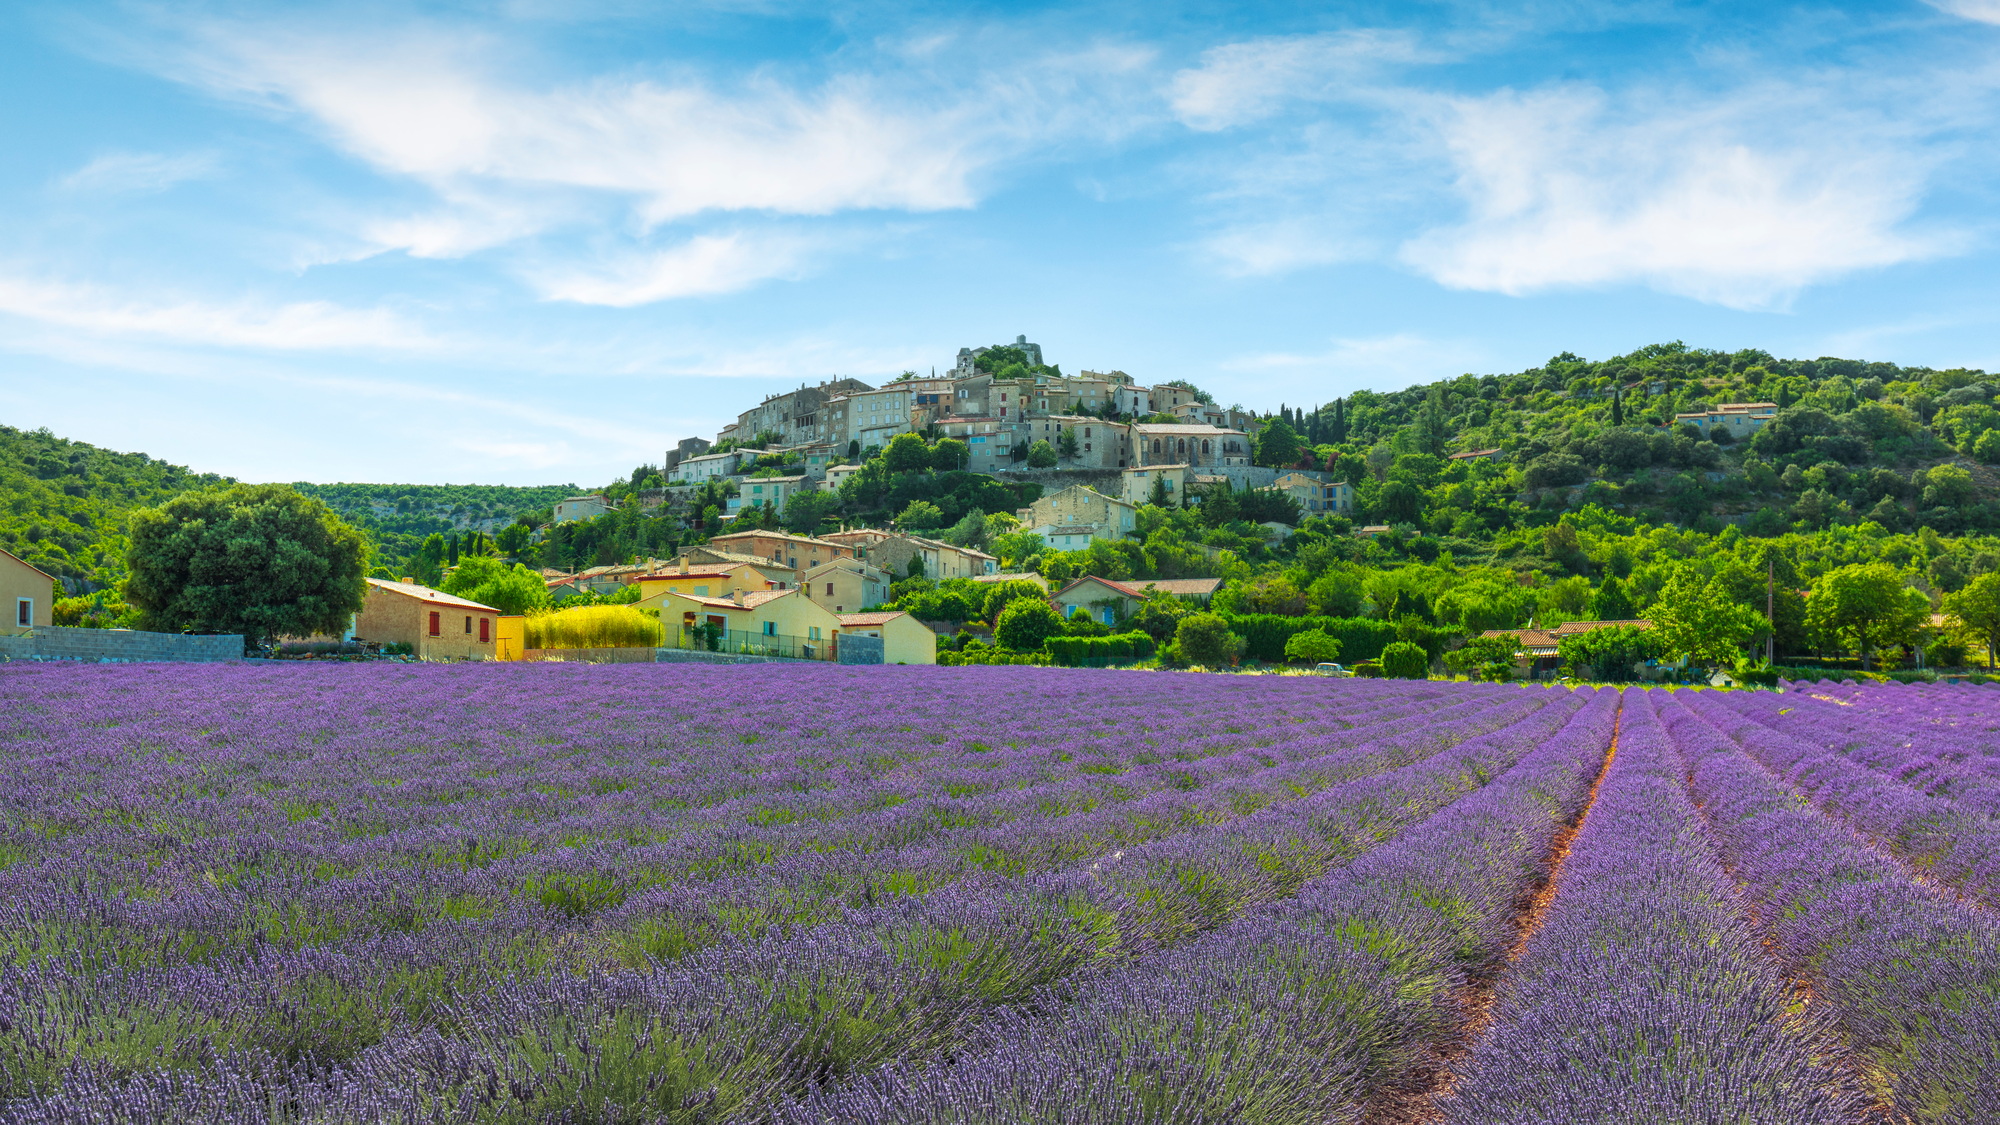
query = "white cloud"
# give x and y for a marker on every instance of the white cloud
(444, 108)
(1984, 11)
(1710, 202)
(1239, 83)
(703, 265)
(137, 173)
(299, 325)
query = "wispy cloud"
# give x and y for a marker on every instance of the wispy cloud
(703, 265)
(138, 173)
(1563, 187)
(446, 107)
(1984, 11)
(1239, 83)
(294, 326)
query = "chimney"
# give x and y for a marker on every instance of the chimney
(684, 564)
(409, 581)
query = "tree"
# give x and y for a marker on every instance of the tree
(1205, 639)
(1003, 594)
(807, 508)
(1976, 609)
(1608, 655)
(1278, 444)
(1693, 618)
(1066, 442)
(1159, 497)
(1490, 658)
(1433, 425)
(1405, 660)
(1041, 455)
(255, 559)
(1159, 616)
(1016, 547)
(920, 515)
(1864, 607)
(1617, 406)
(515, 540)
(1611, 602)
(510, 589)
(906, 453)
(1312, 646)
(950, 455)
(1025, 623)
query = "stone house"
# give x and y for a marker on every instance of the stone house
(1315, 495)
(766, 492)
(1738, 419)
(1077, 506)
(436, 625)
(1198, 446)
(941, 560)
(1099, 444)
(581, 508)
(794, 552)
(990, 446)
(27, 595)
(1136, 488)
(846, 585)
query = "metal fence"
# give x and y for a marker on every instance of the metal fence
(741, 643)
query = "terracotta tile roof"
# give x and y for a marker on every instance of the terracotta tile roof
(751, 600)
(425, 593)
(666, 575)
(852, 620)
(1201, 587)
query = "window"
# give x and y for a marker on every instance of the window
(437, 624)
(770, 628)
(24, 612)
(468, 624)
(812, 633)
(829, 587)
(1204, 447)
(701, 591)
(484, 635)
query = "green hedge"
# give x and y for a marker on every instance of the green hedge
(1265, 634)
(991, 656)
(1073, 651)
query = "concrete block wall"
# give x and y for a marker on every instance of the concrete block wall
(57, 642)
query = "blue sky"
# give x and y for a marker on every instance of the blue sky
(540, 240)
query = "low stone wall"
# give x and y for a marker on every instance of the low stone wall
(590, 655)
(58, 642)
(699, 656)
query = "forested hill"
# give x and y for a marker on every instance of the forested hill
(1853, 441)
(63, 503)
(400, 516)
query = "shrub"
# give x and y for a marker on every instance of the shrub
(1026, 623)
(1073, 651)
(595, 626)
(991, 656)
(1204, 638)
(1265, 634)
(1311, 647)
(1368, 668)
(1405, 660)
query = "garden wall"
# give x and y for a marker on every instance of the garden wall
(59, 642)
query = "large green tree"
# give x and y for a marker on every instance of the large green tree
(1278, 444)
(1025, 623)
(1694, 619)
(1976, 608)
(1864, 607)
(255, 559)
(510, 589)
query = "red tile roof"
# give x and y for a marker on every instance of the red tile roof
(852, 620)
(425, 593)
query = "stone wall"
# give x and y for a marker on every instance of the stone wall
(1108, 481)
(57, 642)
(859, 648)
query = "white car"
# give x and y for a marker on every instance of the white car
(1330, 670)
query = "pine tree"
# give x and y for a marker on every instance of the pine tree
(1617, 406)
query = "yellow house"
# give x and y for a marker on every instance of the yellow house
(27, 596)
(905, 640)
(712, 580)
(787, 623)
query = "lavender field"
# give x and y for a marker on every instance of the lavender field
(545, 892)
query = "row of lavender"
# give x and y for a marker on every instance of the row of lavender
(170, 945)
(1272, 923)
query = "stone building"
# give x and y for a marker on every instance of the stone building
(436, 625)
(1197, 446)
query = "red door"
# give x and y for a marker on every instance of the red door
(437, 624)
(483, 635)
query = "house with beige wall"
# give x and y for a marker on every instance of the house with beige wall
(1109, 601)
(847, 585)
(787, 623)
(701, 581)
(905, 640)
(894, 551)
(27, 595)
(1315, 497)
(794, 552)
(1108, 517)
(436, 625)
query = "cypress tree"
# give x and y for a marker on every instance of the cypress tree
(1617, 406)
